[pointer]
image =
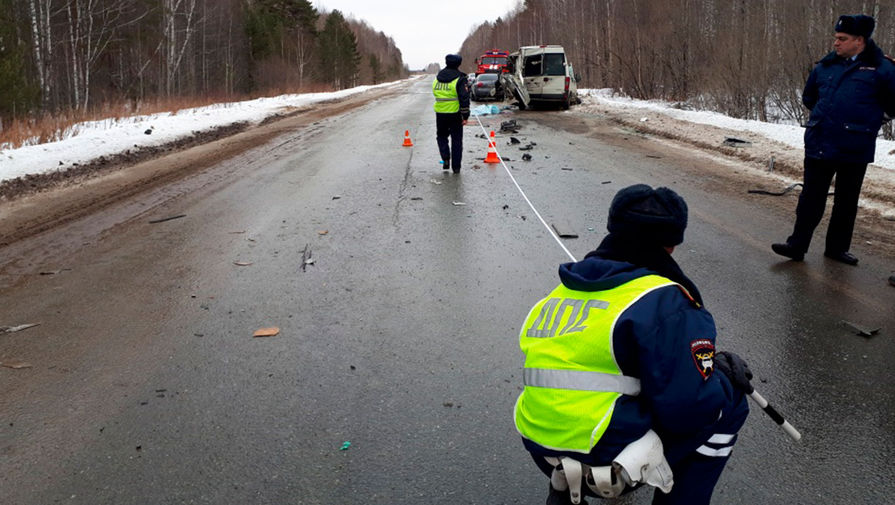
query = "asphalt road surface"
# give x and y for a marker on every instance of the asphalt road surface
(398, 290)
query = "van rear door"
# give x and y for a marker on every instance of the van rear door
(553, 81)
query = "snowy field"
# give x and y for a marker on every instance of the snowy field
(88, 141)
(786, 134)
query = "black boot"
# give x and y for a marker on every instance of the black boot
(784, 249)
(555, 497)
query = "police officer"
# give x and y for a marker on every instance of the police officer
(620, 366)
(850, 92)
(451, 91)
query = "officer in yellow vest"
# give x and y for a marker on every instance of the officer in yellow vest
(620, 379)
(451, 91)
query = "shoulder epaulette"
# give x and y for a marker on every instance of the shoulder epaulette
(689, 296)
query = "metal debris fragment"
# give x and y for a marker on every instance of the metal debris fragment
(13, 329)
(862, 331)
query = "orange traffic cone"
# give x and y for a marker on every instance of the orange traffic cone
(492, 152)
(407, 141)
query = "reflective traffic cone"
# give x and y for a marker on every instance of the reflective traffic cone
(407, 141)
(492, 152)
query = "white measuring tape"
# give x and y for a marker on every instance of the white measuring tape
(533, 209)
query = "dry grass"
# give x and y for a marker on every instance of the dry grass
(52, 127)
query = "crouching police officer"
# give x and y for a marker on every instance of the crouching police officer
(621, 388)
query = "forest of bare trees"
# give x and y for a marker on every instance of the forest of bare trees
(58, 56)
(745, 58)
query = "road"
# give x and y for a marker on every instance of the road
(393, 376)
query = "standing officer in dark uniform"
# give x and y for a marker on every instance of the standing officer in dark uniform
(850, 93)
(451, 91)
(623, 386)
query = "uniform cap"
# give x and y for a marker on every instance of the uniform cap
(858, 25)
(649, 215)
(453, 60)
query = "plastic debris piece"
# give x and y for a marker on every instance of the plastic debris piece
(526, 157)
(735, 142)
(514, 140)
(15, 364)
(266, 332)
(345, 445)
(336, 197)
(416, 198)
(242, 263)
(13, 329)
(306, 257)
(862, 331)
(322, 232)
(433, 181)
(169, 218)
(458, 203)
(566, 168)
(564, 230)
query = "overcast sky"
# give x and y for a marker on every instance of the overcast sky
(424, 30)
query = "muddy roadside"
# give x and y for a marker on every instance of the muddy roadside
(34, 204)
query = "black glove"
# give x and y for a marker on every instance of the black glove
(736, 370)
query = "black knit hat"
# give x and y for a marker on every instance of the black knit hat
(858, 25)
(453, 60)
(651, 215)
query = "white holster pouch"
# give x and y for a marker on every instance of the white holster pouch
(642, 461)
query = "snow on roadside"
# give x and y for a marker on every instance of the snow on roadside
(785, 134)
(90, 140)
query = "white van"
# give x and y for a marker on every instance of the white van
(541, 74)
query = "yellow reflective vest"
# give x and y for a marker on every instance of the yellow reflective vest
(571, 376)
(446, 98)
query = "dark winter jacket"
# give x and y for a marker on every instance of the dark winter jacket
(653, 340)
(449, 74)
(847, 100)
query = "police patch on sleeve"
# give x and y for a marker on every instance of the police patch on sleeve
(703, 352)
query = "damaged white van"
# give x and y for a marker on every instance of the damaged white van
(541, 75)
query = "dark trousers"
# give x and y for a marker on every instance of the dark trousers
(696, 462)
(813, 201)
(450, 125)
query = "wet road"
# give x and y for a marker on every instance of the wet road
(400, 337)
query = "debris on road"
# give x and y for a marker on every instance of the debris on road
(55, 272)
(735, 142)
(526, 147)
(242, 263)
(323, 232)
(862, 331)
(13, 329)
(306, 257)
(345, 445)
(433, 181)
(266, 332)
(169, 218)
(15, 364)
(566, 168)
(416, 198)
(458, 203)
(336, 197)
(514, 140)
(772, 193)
(509, 126)
(564, 230)
(526, 157)
(606, 182)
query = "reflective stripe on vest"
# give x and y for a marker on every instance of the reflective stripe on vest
(581, 381)
(572, 379)
(446, 98)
